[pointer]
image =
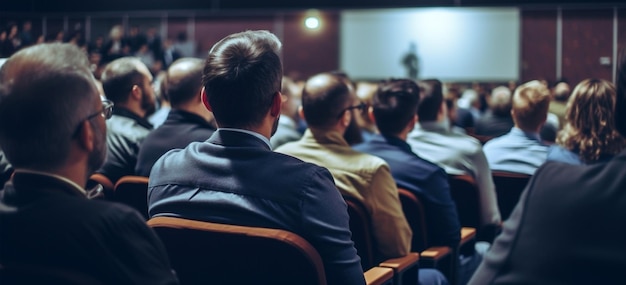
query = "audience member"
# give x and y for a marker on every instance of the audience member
(589, 134)
(287, 123)
(521, 150)
(232, 177)
(188, 121)
(497, 121)
(560, 96)
(394, 109)
(458, 154)
(25, 35)
(328, 102)
(126, 82)
(366, 91)
(568, 227)
(46, 219)
(159, 85)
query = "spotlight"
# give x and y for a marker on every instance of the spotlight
(312, 23)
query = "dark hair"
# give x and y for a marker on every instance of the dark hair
(119, 76)
(45, 90)
(620, 90)
(431, 98)
(184, 86)
(395, 104)
(324, 96)
(242, 74)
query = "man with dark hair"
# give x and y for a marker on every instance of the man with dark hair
(127, 82)
(568, 227)
(46, 219)
(287, 123)
(328, 102)
(521, 149)
(394, 110)
(188, 121)
(235, 178)
(456, 153)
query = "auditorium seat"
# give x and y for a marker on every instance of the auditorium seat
(509, 187)
(133, 191)
(465, 194)
(212, 253)
(107, 185)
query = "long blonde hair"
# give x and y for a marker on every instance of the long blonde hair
(590, 125)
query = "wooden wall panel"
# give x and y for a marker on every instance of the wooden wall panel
(308, 52)
(538, 39)
(587, 36)
(208, 31)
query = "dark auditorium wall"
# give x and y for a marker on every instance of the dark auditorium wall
(538, 38)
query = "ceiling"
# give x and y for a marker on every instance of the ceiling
(64, 6)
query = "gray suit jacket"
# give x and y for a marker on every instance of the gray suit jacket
(568, 228)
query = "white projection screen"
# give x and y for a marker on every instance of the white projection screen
(451, 44)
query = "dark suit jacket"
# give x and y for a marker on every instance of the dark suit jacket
(568, 228)
(179, 129)
(45, 221)
(234, 178)
(426, 180)
(493, 126)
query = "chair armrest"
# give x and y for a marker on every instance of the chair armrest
(435, 253)
(405, 268)
(378, 276)
(467, 234)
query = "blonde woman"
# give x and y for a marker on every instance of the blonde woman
(589, 135)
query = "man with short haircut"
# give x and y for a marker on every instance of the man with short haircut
(287, 130)
(126, 82)
(188, 121)
(498, 120)
(235, 178)
(568, 227)
(394, 110)
(521, 150)
(46, 218)
(328, 103)
(560, 95)
(458, 154)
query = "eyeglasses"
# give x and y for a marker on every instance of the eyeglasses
(106, 113)
(361, 107)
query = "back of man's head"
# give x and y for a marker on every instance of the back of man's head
(184, 81)
(241, 76)
(561, 91)
(45, 92)
(530, 105)
(395, 104)
(431, 100)
(323, 98)
(501, 101)
(119, 77)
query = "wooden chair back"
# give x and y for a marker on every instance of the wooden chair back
(211, 253)
(133, 191)
(509, 187)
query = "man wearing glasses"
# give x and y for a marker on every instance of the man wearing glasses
(328, 106)
(53, 131)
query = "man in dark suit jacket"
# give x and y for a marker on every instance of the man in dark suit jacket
(395, 112)
(52, 130)
(235, 178)
(188, 121)
(568, 227)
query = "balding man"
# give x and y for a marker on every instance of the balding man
(328, 105)
(498, 120)
(188, 121)
(521, 150)
(46, 218)
(126, 82)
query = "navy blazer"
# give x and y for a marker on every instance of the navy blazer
(234, 178)
(426, 180)
(568, 228)
(45, 221)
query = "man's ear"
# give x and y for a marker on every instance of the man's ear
(276, 103)
(301, 113)
(86, 136)
(370, 114)
(136, 92)
(205, 100)
(346, 117)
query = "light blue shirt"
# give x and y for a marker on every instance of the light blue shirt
(517, 151)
